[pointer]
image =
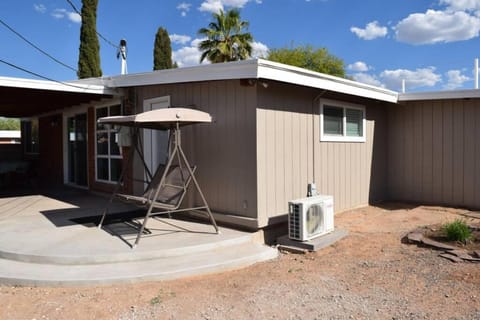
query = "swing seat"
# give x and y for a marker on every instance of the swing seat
(172, 191)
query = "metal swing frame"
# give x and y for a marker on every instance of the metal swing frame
(149, 201)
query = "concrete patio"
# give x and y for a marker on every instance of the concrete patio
(51, 239)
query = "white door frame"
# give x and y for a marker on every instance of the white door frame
(154, 140)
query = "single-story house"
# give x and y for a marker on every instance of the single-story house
(275, 129)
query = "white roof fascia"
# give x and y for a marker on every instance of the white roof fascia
(72, 86)
(209, 72)
(439, 95)
(285, 73)
(252, 69)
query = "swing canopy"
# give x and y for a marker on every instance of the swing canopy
(159, 119)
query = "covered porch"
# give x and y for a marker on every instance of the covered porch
(45, 108)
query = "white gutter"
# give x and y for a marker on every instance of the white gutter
(439, 95)
(289, 74)
(246, 69)
(76, 86)
(250, 69)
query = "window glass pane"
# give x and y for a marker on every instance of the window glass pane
(101, 112)
(114, 150)
(116, 169)
(102, 169)
(115, 110)
(354, 118)
(332, 120)
(102, 143)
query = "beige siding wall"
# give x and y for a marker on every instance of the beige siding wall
(290, 154)
(434, 152)
(224, 150)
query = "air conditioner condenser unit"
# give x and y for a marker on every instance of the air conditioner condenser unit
(310, 217)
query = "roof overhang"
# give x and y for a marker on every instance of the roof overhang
(251, 69)
(27, 97)
(439, 95)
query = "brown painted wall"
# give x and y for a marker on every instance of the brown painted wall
(290, 154)
(224, 151)
(434, 152)
(259, 151)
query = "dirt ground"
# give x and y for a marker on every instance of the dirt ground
(369, 274)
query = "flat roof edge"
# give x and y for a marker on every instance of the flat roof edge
(294, 75)
(439, 95)
(252, 69)
(73, 86)
(219, 71)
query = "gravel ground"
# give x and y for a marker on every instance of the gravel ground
(369, 274)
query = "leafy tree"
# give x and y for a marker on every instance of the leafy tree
(89, 51)
(162, 51)
(226, 39)
(9, 124)
(319, 60)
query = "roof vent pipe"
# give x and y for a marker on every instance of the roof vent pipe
(476, 73)
(403, 85)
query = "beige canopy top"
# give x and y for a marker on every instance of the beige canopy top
(160, 119)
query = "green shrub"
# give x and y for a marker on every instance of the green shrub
(457, 230)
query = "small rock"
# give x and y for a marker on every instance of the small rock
(415, 237)
(451, 257)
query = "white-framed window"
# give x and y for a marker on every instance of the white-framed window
(342, 121)
(108, 159)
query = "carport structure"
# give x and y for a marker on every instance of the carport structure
(44, 103)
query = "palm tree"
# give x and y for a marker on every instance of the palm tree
(225, 38)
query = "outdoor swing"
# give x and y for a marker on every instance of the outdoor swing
(166, 187)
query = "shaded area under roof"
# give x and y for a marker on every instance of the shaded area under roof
(26, 98)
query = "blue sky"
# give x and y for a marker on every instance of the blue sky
(431, 44)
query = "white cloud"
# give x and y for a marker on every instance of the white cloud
(437, 26)
(455, 79)
(358, 66)
(259, 50)
(40, 8)
(211, 6)
(217, 5)
(423, 77)
(372, 31)
(63, 13)
(184, 8)
(179, 39)
(461, 5)
(367, 79)
(189, 55)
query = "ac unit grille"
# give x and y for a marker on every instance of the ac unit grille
(294, 220)
(310, 217)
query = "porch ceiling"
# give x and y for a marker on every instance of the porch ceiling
(27, 102)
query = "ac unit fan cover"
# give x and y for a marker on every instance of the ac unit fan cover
(315, 222)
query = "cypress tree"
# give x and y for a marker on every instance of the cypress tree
(162, 51)
(89, 51)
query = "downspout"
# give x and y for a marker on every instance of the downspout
(311, 187)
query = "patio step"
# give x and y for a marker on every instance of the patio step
(63, 251)
(222, 258)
